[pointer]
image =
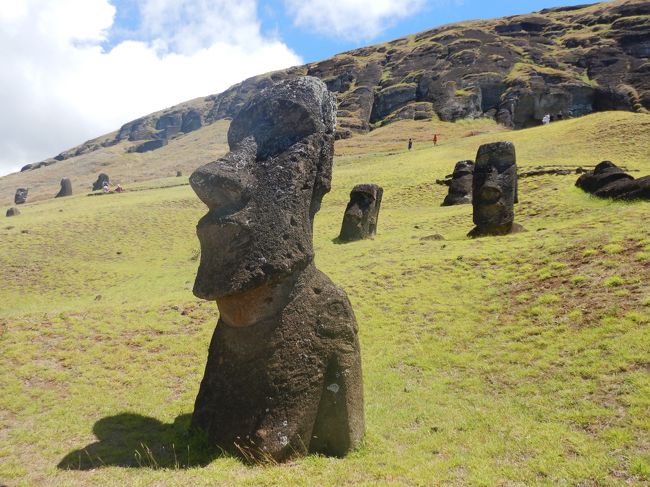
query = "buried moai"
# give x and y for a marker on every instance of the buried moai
(21, 196)
(102, 180)
(607, 180)
(494, 190)
(66, 188)
(283, 375)
(362, 213)
(460, 188)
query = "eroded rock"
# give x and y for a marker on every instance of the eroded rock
(494, 190)
(460, 188)
(283, 375)
(362, 213)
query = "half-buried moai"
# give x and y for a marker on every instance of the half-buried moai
(607, 180)
(21, 196)
(66, 188)
(362, 213)
(283, 375)
(460, 189)
(494, 190)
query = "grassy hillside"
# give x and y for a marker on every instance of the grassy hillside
(516, 360)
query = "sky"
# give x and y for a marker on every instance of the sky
(73, 70)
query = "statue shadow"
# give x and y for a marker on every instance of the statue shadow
(135, 441)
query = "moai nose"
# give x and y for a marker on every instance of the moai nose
(221, 186)
(490, 193)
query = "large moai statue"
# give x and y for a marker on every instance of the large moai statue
(21, 196)
(494, 190)
(66, 188)
(283, 375)
(362, 213)
(460, 189)
(102, 179)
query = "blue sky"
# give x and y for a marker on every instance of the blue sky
(77, 69)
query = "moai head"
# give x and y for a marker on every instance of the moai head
(66, 188)
(362, 213)
(21, 196)
(495, 185)
(604, 173)
(262, 196)
(460, 188)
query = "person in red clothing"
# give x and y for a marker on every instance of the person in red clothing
(435, 140)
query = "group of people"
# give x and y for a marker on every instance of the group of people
(107, 189)
(434, 139)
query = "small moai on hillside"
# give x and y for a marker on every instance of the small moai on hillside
(460, 189)
(283, 375)
(13, 212)
(21, 196)
(66, 188)
(362, 213)
(179, 174)
(494, 190)
(102, 179)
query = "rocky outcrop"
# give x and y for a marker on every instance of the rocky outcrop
(283, 375)
(149, 146)
(608, 180)
(565, 62)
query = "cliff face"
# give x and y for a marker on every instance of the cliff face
(566, 62)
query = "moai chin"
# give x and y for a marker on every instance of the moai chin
(494, 190)
(362, 213)
(283, 375)
(460, 189)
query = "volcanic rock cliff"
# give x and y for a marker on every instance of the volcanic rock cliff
(566, 62)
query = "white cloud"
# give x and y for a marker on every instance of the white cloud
(59, 87)
(351, 19)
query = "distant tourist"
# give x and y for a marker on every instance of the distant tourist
(119, 189)
(547, 119)
(106, 188)
(410, 144)
(435, 140)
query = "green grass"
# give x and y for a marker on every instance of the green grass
(498, 361)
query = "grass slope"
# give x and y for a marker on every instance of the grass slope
(506, 361)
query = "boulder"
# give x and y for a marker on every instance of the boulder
(494, 190)
(460, 188)
(21, 196)
(283, 375)
(13, 211)
(66, 188)
(362, 213)
(102, 179)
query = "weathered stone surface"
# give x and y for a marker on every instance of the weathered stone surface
(362, 213)
(102, 179)
(494, 190)
(13, 212)
(460, 188)
(21, 196)
(66, 188)
(608, 180)
(283, 375)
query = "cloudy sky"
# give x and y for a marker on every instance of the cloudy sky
(76, 69)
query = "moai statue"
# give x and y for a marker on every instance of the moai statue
(21, 196)
(494, 190)
(362, 213)
(66, 188)
(460, 189)
(283, 375)
(102, 179)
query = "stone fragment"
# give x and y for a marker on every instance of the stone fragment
(460, 189)
(362, 213)
(21, 196)
(494, 190)
(66, 188)
(102, 179)
(283, 375)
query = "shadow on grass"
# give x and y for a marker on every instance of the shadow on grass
(135, 441)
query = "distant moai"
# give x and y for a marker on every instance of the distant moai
(21, 196)
(13, 212)
(460, 189)
(179, 174)
(362, 213)
(102, 179)
(283, 375)
(494, 190)
(66, 188)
